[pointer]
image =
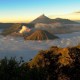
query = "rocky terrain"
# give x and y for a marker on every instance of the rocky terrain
(46, 20)
(59, 63)
(11, 29)
(53, 26)
(52, 64)
(41, 35)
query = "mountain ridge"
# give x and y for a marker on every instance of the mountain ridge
(45, 19)
(42, 19)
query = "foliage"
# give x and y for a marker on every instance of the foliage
(44, 66)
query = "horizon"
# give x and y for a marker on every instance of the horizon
(36, 18)
(24, 11)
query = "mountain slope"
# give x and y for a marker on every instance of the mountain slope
(42, 19)
(14, 28)
(64, 21)
(45, 19)
(64, 56)
(41, 35)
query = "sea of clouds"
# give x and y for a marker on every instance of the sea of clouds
(58, 27)
(18, 47)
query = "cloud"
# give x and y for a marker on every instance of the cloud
(72, 16)
(77, 12)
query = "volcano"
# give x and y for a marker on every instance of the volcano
(41, 35)
(42, 19)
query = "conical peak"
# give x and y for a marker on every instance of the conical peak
(42, 19)
(41, 35)
(43, 16)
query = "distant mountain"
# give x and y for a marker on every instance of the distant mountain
(42, 19)
(5, 25)
(78, 21)
(64, 21)
(45, 19)
(41, 35)
(13, 28)
(8, 25)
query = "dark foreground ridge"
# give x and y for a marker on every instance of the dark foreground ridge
(41, 35)
(52, 64)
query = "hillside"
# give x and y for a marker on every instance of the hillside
(52, 64)
(8, 25)
(58, 63)
(42, 19)
(41, 35)
(14, 28)
(64, 21)
(64, 56)
(5, 25)
(46, 20)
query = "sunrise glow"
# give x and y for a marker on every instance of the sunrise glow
(27, 10)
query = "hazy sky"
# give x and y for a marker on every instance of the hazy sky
(27, 10)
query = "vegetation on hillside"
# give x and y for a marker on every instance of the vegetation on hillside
(52, 64)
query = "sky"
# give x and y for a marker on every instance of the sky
(27, 10)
